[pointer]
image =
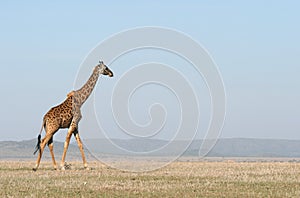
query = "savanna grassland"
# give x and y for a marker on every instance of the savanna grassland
(178, 179)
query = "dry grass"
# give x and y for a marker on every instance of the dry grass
(179, 179)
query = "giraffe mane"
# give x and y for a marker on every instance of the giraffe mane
(70, 94)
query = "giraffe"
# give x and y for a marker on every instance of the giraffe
(68, 115)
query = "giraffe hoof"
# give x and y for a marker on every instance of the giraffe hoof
(34, 169)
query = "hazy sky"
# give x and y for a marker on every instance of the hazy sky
(255, 44)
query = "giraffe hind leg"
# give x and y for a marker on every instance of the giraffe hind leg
(42, 146)
(50, 145)
(66, 145)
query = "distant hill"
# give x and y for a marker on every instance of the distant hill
(243, 147)
(24, 150)
(236, 147)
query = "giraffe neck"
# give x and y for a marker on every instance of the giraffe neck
(85, 91)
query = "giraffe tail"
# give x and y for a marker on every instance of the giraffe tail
(38, 147)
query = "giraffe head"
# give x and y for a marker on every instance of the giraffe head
(104, 70)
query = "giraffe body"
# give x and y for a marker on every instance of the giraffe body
(60, 116)
(67, 115)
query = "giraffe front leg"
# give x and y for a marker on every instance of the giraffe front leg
(69, 135)
(81, 149)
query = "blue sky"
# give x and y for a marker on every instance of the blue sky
(255, 44)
